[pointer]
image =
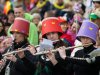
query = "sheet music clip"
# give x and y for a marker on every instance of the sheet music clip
(46, 45)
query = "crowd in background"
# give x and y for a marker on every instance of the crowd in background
(70, 14)
(73, 12)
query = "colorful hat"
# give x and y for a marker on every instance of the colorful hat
(88, 29)
(93, 16)
(20, 25)
(50, 24)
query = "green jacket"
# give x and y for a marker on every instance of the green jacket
(33, 34)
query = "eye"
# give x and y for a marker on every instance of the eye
(53, 33)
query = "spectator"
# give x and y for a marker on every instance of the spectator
(10, 16)
(36, 18)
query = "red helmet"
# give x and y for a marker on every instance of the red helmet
(51, 24)
(20, 25)
(62, 19)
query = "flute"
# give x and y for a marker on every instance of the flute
(13, 52)
(44, 52)
(55, 50)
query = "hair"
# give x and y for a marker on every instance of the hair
(50, 13)
(3, 31)
(10, 11)
(7, 24)
(4, 16)
(69, 5)
(59, 34)
(36, 14)
(83, 7)
(19, 6)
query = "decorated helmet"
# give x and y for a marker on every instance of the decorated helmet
(51, 24)
(20, 25)
(88, 29)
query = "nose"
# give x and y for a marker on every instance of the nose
(85, 39)
(17, 14)
(51, 35)
(14, 35)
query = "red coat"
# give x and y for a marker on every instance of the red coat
(68, 38)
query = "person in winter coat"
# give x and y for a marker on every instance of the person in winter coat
(51, 31)
(14, 64)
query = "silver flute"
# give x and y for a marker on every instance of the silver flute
(44, 52)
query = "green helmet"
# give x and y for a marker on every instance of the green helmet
(93, 16)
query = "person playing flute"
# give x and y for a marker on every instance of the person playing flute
(51, 30)
(75, 65)
(14, 64)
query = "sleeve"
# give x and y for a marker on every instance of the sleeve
(79, 61)
(63, 70)
(87, 61)
(0, 56)
(24, 66)
(97, 61)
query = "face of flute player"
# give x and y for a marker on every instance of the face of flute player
(85, 40)
(18, 37)
(52, 36)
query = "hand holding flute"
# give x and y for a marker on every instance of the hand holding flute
(32, 49)
(62, 52)
(21, 54)
(2, 62)
(52, 57)
(11, 58)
